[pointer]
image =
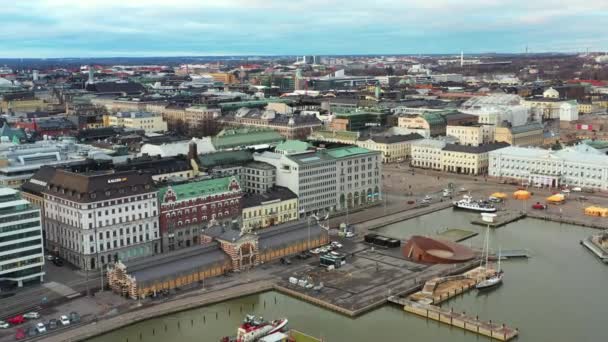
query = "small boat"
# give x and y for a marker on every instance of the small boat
(254, 328)
(467, 203)
(495, 279)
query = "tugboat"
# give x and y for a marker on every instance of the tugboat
(254, 328)
(467, 203)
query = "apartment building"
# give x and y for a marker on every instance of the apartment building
(93, 219)
(276, 206)
(472, 135)
(21, 247)
(394, 148)
(149, 122)
(471, 160)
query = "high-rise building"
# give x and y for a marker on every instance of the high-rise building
(21, 249)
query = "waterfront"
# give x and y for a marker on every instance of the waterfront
(537, 296)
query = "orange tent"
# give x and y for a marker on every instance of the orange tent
(500, 195)
(522, 195)
(557, 198)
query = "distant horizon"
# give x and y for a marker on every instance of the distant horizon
(455, 54)
(157, 28)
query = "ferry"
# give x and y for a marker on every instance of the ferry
(254, 328)
(467, 203)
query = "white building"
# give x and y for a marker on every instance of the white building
(331, 179)
(580, 166)
(472, 135)
(21, 248)
(426, 153)
(496, 108)
(95, 219)
(149, 122)
(203, 146)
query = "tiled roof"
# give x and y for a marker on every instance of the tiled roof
(196, 189)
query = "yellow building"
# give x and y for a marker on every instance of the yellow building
(19, 105)
(471, 160)
(473, 135)
(526, 135)
(149, 122)
(394, 148)
(224, 77)
(276, 206)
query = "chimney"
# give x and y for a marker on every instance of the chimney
(192, 150)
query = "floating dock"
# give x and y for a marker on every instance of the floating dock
(501, 219)
(490, 329)
(456, 235)
(513, 254)
(595, 249)
(441, 289)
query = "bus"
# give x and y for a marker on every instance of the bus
(332, 259)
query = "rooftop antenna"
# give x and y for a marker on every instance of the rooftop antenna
(461, 58)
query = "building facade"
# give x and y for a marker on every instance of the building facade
(471, 160)
(426, 154)
(329, 180)
(473, 135)
(258, 177)
(149, 122)
(573, 166)
(527, 135)
(274, 207)
(394, 148)
(94, 219)
(21, 241)
(187, 208)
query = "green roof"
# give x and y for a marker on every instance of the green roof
(348, 151)
(209, 160)
(293, 146)
(434, 118)
(197, 189)
(250, 104)
(598, 144)
(230, 138)
(11, 133)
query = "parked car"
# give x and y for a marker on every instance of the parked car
(31, 315)
(285, 261)
(566, 191)
(336, 244)
(577, 189)
(303, 256)
(539, 206)
(411, 202)
(350, 234)
(64, 320)
(20, 334)
(16, 320)
(315, 251)
(53, 324)
(50, 257)
(32, 331)
(41, 328)
(4, 325)
(582, 198)
(58, 261)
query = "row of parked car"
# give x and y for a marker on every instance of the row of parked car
(40, 327)
(327, 248)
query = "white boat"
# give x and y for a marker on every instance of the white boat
(495, 279)
(467, 203)
(254, 328)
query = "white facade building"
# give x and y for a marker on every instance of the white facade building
(426, 153)
(331, 179)
(21, 248)
(496, 108)
(580, 166)
(96, 219)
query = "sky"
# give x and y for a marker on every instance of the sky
(107, 28)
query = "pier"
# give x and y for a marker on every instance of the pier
(595, 249)
(490, 329)
(456, 235)
(501, 219)
(438, 290)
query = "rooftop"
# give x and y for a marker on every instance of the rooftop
(277, 193)
(293, 146)
(475, 149)
(201, 188)
(392, 139)
(349, 151)
(230, 138)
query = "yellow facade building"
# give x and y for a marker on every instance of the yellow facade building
(149, 122)
(274, 207)
(394, 148)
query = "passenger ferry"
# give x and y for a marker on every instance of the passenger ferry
(467, 203)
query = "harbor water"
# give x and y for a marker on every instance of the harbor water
(556, 295)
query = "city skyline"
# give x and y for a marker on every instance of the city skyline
(70, 28)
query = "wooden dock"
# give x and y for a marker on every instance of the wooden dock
(490, 329)
(501, 219)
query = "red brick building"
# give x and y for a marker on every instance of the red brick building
(187, 208)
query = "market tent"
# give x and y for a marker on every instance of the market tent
(500, 195)
(596, 211)
(522, 195)
(557, 198)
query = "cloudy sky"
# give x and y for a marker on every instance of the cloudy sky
(85, 28)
